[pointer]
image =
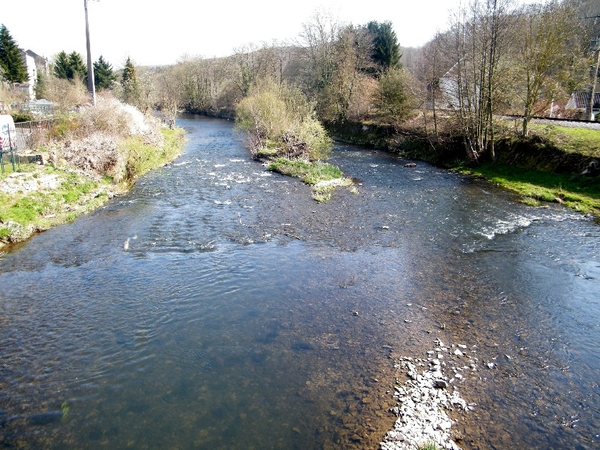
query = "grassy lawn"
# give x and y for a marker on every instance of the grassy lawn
(573, 140)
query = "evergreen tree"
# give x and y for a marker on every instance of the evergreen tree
(130, 83)
(40, 85)
(386, 50)
(77, 67)
(61, 65)
(103, 74)
(12, 64)
(70, 66)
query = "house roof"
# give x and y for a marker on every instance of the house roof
(581, 100)
(37, 58)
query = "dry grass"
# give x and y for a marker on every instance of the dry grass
(92, 140)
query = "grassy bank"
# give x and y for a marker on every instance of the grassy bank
(322, 177)
(546, 166)
(35, 198)
(582, 141)
(536, 187)
(144, 157)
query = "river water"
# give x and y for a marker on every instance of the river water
(218, 306)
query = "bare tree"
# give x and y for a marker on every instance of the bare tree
(430, 66)
(338, 58)
(353, 50)
(319, 36)
(479, 36)
(544, 47)
(147, 90)
(168, 90)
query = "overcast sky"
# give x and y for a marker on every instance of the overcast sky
(160, 32)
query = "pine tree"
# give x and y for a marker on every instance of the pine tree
(61, 65)
(103, 74)
(386, 50)
(70, 66)
(40, 85)
(12, 64)
(77, 67)
(130, 83)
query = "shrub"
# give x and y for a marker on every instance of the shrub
(391, 98)
(112, 117)
(22, 117)
(66, 94)
(97, 153)
(100, 139)
(281, 123)
(64, 127)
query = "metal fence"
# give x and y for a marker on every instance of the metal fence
(29, 134)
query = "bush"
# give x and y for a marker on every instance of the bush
(66, 94)
(97, 153)
(117, 119)
(22, 117)
(64, 127)
(100, 139)
(281, 123)
(391, 98)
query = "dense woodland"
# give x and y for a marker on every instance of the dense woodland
(495, 58)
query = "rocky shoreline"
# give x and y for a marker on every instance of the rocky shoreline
(426, 395)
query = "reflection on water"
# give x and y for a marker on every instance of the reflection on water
(218, 306)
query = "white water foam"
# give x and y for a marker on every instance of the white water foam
(502, 227)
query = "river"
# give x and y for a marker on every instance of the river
(217, 306)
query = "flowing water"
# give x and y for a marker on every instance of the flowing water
(217, 306)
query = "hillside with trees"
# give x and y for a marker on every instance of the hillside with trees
(495, 59)
(444, 101)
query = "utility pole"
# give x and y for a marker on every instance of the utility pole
(90, 65)
(596, 47)
(594, 80)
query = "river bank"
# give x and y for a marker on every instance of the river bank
(81, 172)
(556, 164)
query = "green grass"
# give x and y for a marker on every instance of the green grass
(576, 192)
(24, 213)
(573, 140)
(428, 446)
(309, 172)
(314, 174)
(143, 158)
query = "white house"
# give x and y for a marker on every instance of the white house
(34, 63)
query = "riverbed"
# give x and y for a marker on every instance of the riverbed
(216, 305)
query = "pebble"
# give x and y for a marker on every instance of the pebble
(423, 401)
(28, 182)
(441, 384)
